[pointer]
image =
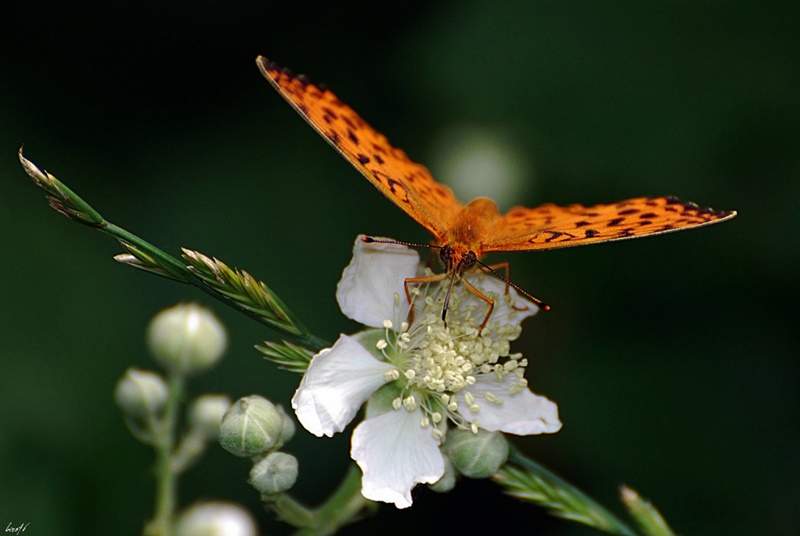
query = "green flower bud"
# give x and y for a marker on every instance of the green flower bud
(477, 455)
(206, 412)
(140, 392)
(215, 519)
(273, 474)
(448, 480)
(251, 426)
(289, 428)
(186, 338)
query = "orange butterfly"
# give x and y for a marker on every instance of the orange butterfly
(465, 233)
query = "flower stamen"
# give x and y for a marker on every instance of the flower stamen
(437, 361)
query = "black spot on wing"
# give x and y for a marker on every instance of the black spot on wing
(555, 236)
(395, 187)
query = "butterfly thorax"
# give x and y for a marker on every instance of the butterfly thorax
(464, 239)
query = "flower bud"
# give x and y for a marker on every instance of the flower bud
(206, 412)
(273, 474)
(215, 519)
(141, 392)
(251, 426)
(186, 338)
(289, 428)
(449, 478)
(477, 455)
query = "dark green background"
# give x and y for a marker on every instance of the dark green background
(673, 359)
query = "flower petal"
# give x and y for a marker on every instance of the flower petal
(375, 274)
(396, 453)
(338, 381)
(522, 413)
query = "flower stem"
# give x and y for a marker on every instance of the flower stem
(339, 510)
(292, 512)
(342, 507)
(166, 482)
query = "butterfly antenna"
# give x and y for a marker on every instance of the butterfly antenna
(535, 300)
(370, 240)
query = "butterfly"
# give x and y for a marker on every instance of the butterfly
(464, 233)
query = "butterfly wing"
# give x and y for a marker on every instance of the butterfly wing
(550, 226)
(408, 184)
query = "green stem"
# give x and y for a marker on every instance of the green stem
(339, 510)
(292, 512)
(166, 483)
(178, 270)
(342, 507)
(173, 266)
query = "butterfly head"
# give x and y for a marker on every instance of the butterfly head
(457, 259)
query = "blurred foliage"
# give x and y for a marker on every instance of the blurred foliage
(673, 359)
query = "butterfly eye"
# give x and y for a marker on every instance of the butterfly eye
(469, 260)
(446, 253)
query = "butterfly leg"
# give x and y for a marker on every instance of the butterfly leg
(470, 287)
(506, 266)
(414, 281)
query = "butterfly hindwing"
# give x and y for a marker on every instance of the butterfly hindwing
(550, 226)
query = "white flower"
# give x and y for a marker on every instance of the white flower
(433, 375)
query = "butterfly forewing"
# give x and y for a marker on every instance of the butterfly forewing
(476, 227)
(408, 184)
(550, 226)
